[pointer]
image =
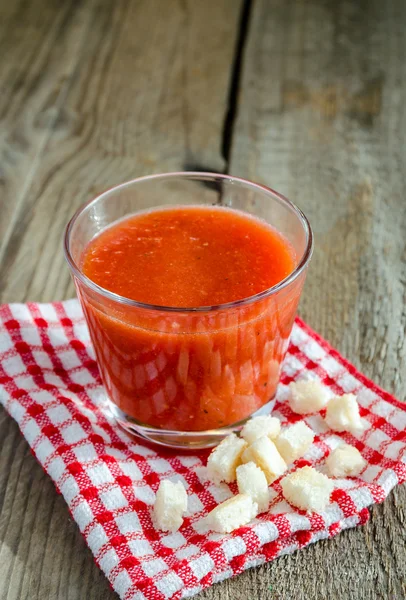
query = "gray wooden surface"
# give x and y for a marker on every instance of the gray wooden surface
(307, 96)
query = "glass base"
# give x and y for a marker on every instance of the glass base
(184, 440)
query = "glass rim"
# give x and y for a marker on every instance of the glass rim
(302, 264)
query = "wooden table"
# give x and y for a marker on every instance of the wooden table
(307, 96)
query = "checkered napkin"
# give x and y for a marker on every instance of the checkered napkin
(49, 383)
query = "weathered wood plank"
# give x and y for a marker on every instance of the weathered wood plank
(321, 119)
(117, 93)
(34, 70)
(147, 94)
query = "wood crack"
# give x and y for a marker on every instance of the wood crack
(235, 82)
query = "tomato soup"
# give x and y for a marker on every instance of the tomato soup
(190, 370)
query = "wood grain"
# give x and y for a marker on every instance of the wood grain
(127, 107)
(320, 118)
(34, 68)
(97, 92)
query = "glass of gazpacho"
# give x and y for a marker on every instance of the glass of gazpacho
(189, 283)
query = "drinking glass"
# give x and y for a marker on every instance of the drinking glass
(186, 377)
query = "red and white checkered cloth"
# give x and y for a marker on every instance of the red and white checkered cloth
(49, 383)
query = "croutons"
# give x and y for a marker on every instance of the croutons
(265, 455)
(307, 489)
(225, 458)
(259, 426)
(307, 396)
(345, 461)
(293, 441)
(252, 481)
(170, 504)
(234, 512)
(343, 414)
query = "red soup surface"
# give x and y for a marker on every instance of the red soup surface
(190, 371)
